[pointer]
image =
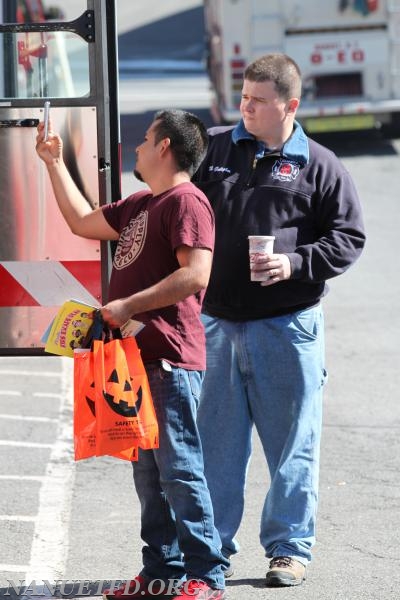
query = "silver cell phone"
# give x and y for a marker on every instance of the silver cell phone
(46, 119)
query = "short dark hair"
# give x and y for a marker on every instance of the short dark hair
(282, 70)
(188, 136)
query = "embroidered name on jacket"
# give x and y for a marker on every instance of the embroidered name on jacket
(213, 169)
(131, 241)
(285, 170)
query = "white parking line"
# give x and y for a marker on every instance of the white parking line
(30, 373)
(25, 444)
(13, 568)
(20, 518)
(50, 545)
(21, 478)
(10, 393)
(28, 418)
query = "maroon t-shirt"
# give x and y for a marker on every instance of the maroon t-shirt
(151, 228)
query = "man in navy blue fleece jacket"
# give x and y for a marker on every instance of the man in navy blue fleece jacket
(265, 341)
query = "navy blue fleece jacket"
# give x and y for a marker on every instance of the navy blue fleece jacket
(302, 194)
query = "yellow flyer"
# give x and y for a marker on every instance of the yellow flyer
(69, 328)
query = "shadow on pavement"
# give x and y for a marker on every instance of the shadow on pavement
(179, 37)
(133, 127)
(255, 583)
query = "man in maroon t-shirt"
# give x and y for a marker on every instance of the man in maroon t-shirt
(152, 229)
(160, 270)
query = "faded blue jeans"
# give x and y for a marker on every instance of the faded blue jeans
(268, 373)
(177, 523)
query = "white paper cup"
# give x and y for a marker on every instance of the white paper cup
(259, 245)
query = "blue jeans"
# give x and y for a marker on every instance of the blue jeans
(270, 373)
(177, 523)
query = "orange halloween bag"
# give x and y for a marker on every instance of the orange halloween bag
(85, 422)
(84, 405)
(113, 407)
(125, 415)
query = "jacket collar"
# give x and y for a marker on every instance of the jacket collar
(295, 148)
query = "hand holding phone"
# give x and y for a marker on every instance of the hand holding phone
(46, 119)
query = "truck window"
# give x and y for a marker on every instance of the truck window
(45, 64)
(37, 11)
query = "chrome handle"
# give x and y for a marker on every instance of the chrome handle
(19, 122)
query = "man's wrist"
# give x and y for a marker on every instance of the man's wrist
(55, 164)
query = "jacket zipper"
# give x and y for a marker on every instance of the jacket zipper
(253, 168)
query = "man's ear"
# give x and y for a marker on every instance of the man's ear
(293, 104)
(164, 145)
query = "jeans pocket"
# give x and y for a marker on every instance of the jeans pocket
(306, 322)
(195, 380)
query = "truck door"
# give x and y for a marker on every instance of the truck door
(73, 63)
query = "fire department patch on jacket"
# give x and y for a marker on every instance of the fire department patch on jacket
(285, 170)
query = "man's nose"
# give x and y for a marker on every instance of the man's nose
(249, 104)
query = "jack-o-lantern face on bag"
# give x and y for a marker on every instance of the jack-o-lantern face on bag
(90, 402)
(89, 393)
(121, 397)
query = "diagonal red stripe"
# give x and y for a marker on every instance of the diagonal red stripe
(88, 273)
(12, 293)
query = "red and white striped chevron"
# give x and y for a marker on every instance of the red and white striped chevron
(49, 282)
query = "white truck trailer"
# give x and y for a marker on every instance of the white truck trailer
(348, 52)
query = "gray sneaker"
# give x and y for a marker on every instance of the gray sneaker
(285, 571)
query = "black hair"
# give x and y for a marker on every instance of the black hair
(188, 137)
